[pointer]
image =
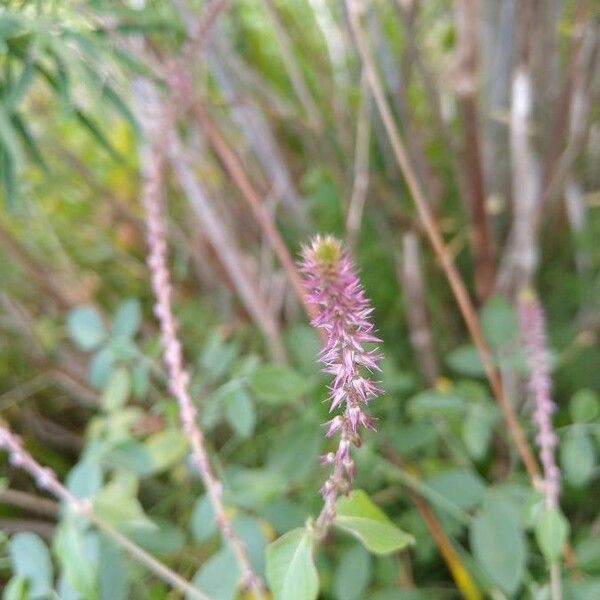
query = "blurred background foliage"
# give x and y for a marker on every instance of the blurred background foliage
(81, 377)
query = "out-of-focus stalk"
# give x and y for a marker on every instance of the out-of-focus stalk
(533, 333)
(178, 377)
(46, 479)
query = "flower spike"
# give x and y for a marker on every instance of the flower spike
(533, 332)
(342, 314)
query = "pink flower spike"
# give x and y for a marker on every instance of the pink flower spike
(343, 315)
(533, 333)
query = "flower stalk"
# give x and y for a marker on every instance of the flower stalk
(46, 479)
(533, 332)
(178, 377)
(343, 316)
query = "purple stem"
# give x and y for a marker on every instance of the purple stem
(178, 378)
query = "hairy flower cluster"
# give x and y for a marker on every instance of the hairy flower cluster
(533, 333)
(342, 314)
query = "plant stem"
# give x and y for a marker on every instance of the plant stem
(435, 237)
(178, 377)
(47, 479)
(555, 582)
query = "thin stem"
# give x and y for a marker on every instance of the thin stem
(177, 375)
(481, 235)
(47, 479)
(235, 170)
(451, 557)
(555, 582)
(361, 164)
(293, 69)
(435, 237)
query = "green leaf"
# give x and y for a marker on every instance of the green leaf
(101, 367)
(10, 139)
(19, 89)
(295, 451)
(219, 576)
(498, 543)
(587, 554)
(117, 390)
(466, 360)
(352, 576)
(166, 448)
(157, 536)
(358, 515)
(130, 455)
(86, 327)
(304, 346)
(578, 458)
(498, 321)
(434, 402)
(127, 318)
(585, 406)
(16, 589)
(9, 180)
(239, 411)
(98, 135)
(477, 429)
(30, 145)
(203, 523)
(117, 502)
(217, 357)
(121, 107)
(85, 479)
(113, 576)
(291, 572)
(283, 515)
(251, 533)
(30, 560)
(140, 379)
(551, 533)
(12, 25)
(461, 486)
(78, 571)
(277, 383)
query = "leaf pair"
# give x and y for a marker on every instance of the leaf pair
(291, 571)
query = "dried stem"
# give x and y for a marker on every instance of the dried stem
(46, 479)
(435, 237)
(361, 164)
(177, 375)
(293, 69)
(482, 239)
(451, 557)
(421, 338)
(236, 171)
(29, 502)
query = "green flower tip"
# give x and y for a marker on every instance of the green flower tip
(326, 250)
(527, 296)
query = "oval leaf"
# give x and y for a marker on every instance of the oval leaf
(291, 571)
(86, 327)
(277, 383)
(358, 515)
(31, 560)
(117, 390)
(551, 533)
(498, 543)
(127, 317)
